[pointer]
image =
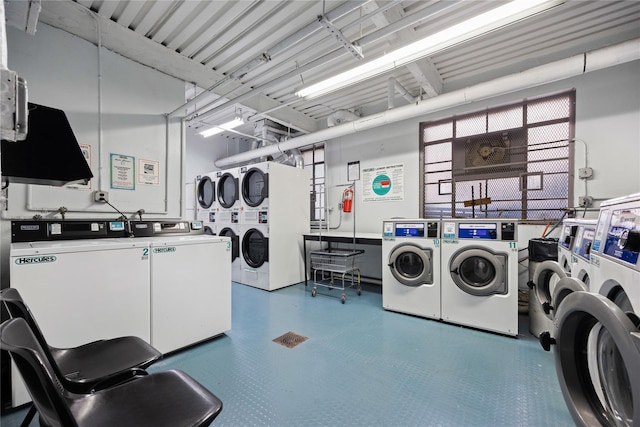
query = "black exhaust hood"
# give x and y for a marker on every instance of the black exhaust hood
(50, 155)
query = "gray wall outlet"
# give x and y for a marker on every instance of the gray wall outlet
(101, 196)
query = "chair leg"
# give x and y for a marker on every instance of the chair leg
(27, 420)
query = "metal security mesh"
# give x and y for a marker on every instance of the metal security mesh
(512, 161)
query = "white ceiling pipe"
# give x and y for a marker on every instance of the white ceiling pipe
(548, 73)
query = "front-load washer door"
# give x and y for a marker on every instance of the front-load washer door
(255, 185)
(598, 360)
(235, 242)
(411, 265)
(479, 271)
(227, 190)
(255, 248)
(206, 192)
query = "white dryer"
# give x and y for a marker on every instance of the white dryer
(206, 202)
(228, 197)
(254, 186)
(598, 332)
(480, 274)
(274, 216)
(581, 257)
(232, 231)
(411, 266)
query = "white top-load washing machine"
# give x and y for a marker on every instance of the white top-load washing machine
(583, 242)
(82, 290)
(206, 202)
(275, 215)
(598, 332)
(480, 274)
(190, 285)
(411, 266)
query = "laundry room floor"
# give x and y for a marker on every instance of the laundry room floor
(363, 366)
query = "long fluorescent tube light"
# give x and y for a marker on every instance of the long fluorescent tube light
(221, 128)
(466, 30)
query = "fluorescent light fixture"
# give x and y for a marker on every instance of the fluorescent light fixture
(466, 30)
(221, 128)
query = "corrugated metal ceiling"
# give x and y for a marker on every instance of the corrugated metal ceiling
(263, 50)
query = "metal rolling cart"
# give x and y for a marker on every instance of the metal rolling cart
(333, 264)
(336, 263)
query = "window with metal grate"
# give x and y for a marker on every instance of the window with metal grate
(511, 161)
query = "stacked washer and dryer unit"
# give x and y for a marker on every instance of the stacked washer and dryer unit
(274, 214)
(597, 332)
(218, 207)
(463, 271)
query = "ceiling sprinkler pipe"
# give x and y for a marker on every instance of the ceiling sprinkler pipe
(537, 76)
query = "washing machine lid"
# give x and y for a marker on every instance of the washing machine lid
(206, 192)
(411, 265)
(227, 190)
(598, 360)
(235, 241)
(479, 271)
(255, 248)
(255, 187)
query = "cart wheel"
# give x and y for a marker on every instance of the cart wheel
(313, 292)
(331, 284)
(359, 291)
(344, 298)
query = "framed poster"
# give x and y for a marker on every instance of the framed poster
(122, 172)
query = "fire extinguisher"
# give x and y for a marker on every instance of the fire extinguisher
(347, 200)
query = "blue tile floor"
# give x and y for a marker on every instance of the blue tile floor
(364, 366)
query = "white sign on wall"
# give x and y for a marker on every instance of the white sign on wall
(122, 172)
(383, 183)
(148, 172)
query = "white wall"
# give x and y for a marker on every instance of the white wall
(61, 71)
(607, 120)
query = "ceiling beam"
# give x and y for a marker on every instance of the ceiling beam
(423, 70)
(76, 19)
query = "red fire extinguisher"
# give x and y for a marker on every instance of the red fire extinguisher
(347, 200)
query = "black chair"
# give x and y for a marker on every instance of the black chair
(89, 367)
(169, 398)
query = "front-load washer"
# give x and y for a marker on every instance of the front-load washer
(206, 202)
(480, 274)
(581, 257)
(82, 290)
(598, 332)
(565, 243)
(228, 198)
(411, 266)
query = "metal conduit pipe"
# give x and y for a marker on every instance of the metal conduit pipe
(393, 85)
(288, 42)
(331, 56)
(548, 73)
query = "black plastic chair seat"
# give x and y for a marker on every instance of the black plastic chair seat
(169, 398)
(98, 361)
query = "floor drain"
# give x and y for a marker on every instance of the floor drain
(290, 339)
